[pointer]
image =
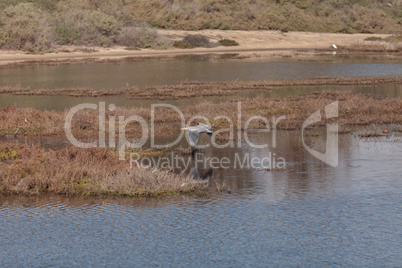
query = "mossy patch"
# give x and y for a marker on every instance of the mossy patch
(86, 186)
(228, 42)
(182, 44)
(8, 154)
(373, 38)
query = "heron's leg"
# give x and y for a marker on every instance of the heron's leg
(195, 151)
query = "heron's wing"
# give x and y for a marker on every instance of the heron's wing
(204, 125)
(194, 175)
(193, 137)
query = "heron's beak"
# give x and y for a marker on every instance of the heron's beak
(183, 129)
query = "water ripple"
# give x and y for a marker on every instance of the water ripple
(310, 216)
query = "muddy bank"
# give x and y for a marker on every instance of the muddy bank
(196, 89)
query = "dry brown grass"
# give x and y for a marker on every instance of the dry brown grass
(73, 92)
(37, 122)
(74, 171)
(198, 89)
(354, 109)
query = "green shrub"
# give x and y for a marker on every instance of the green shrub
(181, 44)
(146, 37)
(66, 35)
(294, 15)
(224, 26)
(140, 36)
(91, 26)
(228, 42)
(197, 40)
(26, 27)
(127, 37)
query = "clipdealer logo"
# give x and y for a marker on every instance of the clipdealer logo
(330, 156)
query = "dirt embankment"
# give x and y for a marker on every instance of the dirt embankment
(271, 43)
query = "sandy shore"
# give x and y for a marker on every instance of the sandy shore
(267, 42)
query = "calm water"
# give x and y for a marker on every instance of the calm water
(309, 215)
(111, 75)
(149, 72)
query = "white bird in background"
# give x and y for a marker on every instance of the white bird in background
(194, 132)
(334, 46)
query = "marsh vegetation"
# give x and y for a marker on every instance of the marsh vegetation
(191, 89)
(354, 109)
(33, 170)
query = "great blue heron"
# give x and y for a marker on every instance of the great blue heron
(194, 132)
